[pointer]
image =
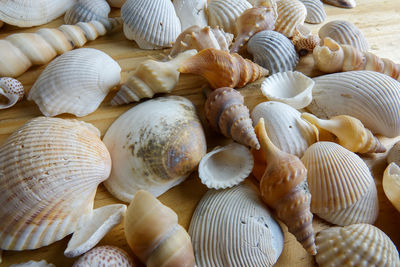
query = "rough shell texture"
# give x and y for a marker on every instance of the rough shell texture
(391, 184)
(394, 154)
(154, 146)
(315, 11)
(12, 90)
(32, 263)
(304, 41)
(191, 12)
(87, 10)
(233, 228)
(290, 14)
(105, 256)
(341, 3)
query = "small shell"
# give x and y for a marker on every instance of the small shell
(32, 263)
(273, 51)
(191, 12)
(341, 3)
(87, 10)
(355, 245)
(304, 41)
(315, 11)
(226, 166)
(394, 154)
(116, 3)
(105, 256)
(290, 14)
(12, 90)
(391, 184)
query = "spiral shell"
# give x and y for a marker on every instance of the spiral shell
(88, 10)
(105, 256)
(191, 12)
(315, 11)
(290, 14)
(391, 184)
(12, 90)
(341, 3)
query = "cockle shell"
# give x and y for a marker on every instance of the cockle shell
(12, 90)
(391, 184)
(154, 146)
(290, 14)
(151, 24)
(371, 97)
(394, 154)
(355, 245)
(75, 82)
(315, 11)
(273, 51)
(32, 263)
(105, 256)
(87, 10)
(233, 227)
(116, 3)
(304, 41)
(191, 12)
(341, 3)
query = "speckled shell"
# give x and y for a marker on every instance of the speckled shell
(233, 227)
(33, 263)
(391, 184)
(290, 14)
(191, 12)
(273, 51)
(154, 146)
(371, 97)
(355, 245)
(105, 256)
(341, 3)
(11, 89)
(315, 11)
(87, 10)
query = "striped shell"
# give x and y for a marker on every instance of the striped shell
(87, 10)
(105, 256)
(391, 184)
(315, 11)
(290, 14)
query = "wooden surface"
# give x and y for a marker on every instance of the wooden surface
(378, 20)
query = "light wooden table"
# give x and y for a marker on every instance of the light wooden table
(378, 20)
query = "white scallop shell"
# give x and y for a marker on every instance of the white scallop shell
(226, 166)
(12, 90)
(75, 82)
(292, 88)
(290, 14)
(355, 245)
(285, 127)
(315, 11)
(391, 184)
(371, 97)
(87, 10)
(191, 12)
(273, 51)
(233, 227)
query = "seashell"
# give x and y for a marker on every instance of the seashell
(223, 13)
(292, 88)
(191, 12)
(233, 227)
(350, 132)
(116, 3)
(105, 256)
(151, 77)
(391, 184)
(250, 22)
(201, 38)
(226, 166)
(315, 11)
(284, 188)
(151, 24)
(371, 97)
(76, 82)
(154, 235)
(344, 32)
(394, 154)
(341, 3)
(154, 146)
(273, 51)
(28, 13)
(12, 90)
(33, 263)
(304, 41)
(18, 52)
(222, 69)
(227, 114)
(290, 14)
(88, 10)
(355, 245)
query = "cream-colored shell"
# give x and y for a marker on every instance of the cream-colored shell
(290, 14)
(191, 12)
(233, 227)
(315, 11)
(391, 184)
(75, 82)
(88, 10)
(12, 90)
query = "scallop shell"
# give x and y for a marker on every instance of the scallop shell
(226, 166)
(191, 12)
(344, 32)
(394, 154)
(154, 146)
(341, 3)
(12, 90)
(151, 24)
(391, 184)
(116, 3)
(371, 97)
(290, 14)
(88, 10)
(28, 13)
(105, 256)
(75, 82)
(234, 228)
(273, 51)
(355, 245)
(315, 11)
(33, 263)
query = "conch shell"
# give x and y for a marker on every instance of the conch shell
(105, 256)
(12, 90)
(222, 69)
(284, 188)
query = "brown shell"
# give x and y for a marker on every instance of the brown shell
(304, 41)
(105, 256)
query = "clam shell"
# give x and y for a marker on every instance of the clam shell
(355, 245)
(371, 97)
(75, 82)
(154, 146)
(12, 90)
(191, 12)
(315, 11)
(233, 227)
(87, 10)
(290, 14)
(391, 184)
(105, 256)
(273, 51)
(226, 166)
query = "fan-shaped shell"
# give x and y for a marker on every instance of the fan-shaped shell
(391, 184)
(233, 227)
(75, 82)
(87, 10)
(191, 12)
(290, 14)
(273, 51)
(315, 11)
(105, 256)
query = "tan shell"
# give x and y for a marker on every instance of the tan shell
(105, 256)
(304, 41)
(290, 14)
(315, 11)
(191, 12)
(116, 3)
(88, 10)
(341, 3)
(391, 184)
(12, 90)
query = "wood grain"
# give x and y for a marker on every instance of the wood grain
(379, 21)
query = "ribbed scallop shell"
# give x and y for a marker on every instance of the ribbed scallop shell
(371, 97)
(273, 51)
(290, 14)
(315, 11)
(233, 227)
(191, 12)
(344, 32)
(105, 256)
(75, 82)
(87, 10)
(45, 165)
(151, 24)
(391, 184)
(355, 245)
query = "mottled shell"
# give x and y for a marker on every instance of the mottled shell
(116, 3)
(290, 14)
(315, 11)
(154, 146)
(191, 12)
(87, 10)
(12, 90)
(33, 263)
(75, 82)
(273, 51)
(105, 256)
(391, 184)
(341, 3)
(233, 227)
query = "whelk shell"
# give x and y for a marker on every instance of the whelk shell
(191, 12)
(88, 10)
(12, 90)
(315, 11)
(391, 184)
(105, 256)
(290, 14)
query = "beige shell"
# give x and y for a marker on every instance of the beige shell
(233, 227)
(116, 3)
(290, 14)
(315, 11)
(88, 10)
(76, 82)
(391, 184)
(105, 256)
(12, 90)
(191, 12)
(341, 3)
(33, 263)
(394, 154)
(355, 245)
(304, 41)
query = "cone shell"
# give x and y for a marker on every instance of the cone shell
(234, 228)
(290, 14)
(75, 82)
(154, 146)
(273, 51)
(355, 245)
(87, 10)
(341, 3)
(391, 184)
(191, 12)
(105, 256)
(12, 90)
(315, 11)
(46, 164)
